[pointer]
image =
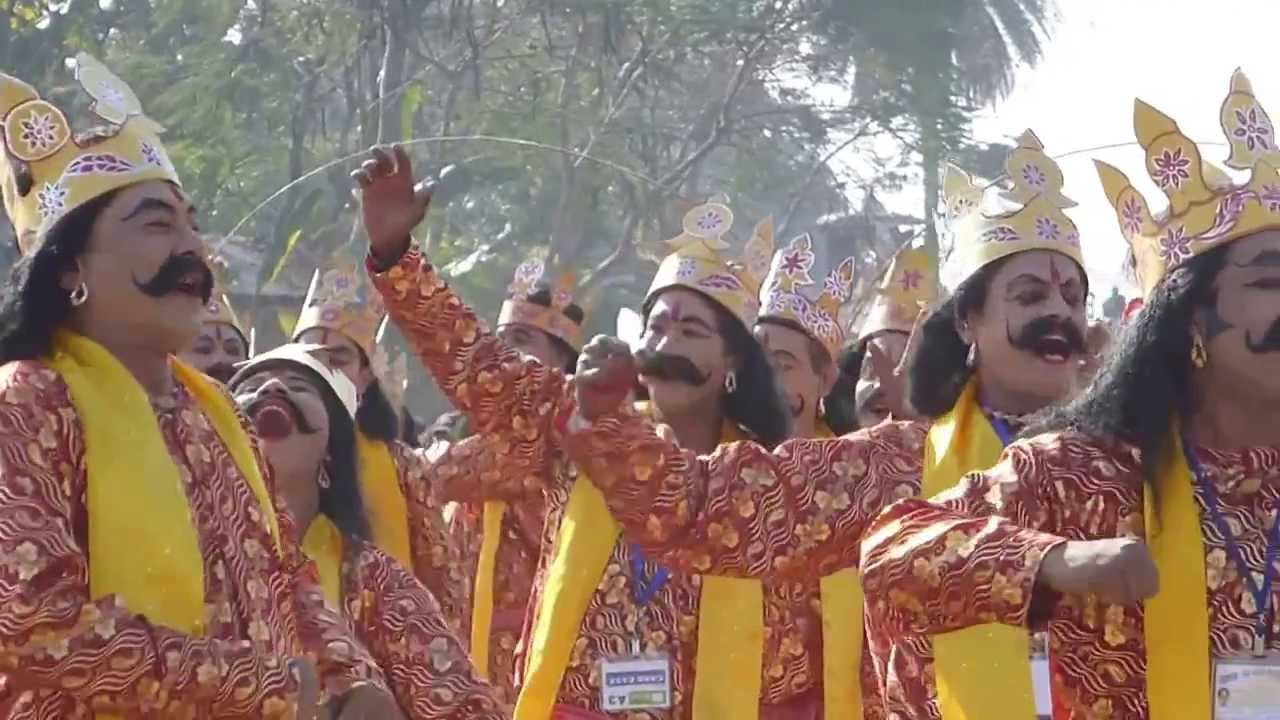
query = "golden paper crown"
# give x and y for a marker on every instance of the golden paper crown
(1037, 222)
(66, 173)
(551, 320)
(697, 263)
(219, 308)
(909, 286)
(790, 292)
(1206, 208)
(341, 300)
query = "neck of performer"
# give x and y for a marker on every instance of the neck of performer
(699, 430)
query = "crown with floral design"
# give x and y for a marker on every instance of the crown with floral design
(1206, 207)
(909, 286)
(340, 299)
(517, 309)
(696, 262)
(790, 292)
(1035, 221)
(67, 172)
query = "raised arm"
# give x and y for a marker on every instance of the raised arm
(426, 666)
(53, 638)
(488, 467)
(745, 511)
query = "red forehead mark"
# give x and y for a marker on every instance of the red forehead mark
(677, 311)
(1055, 276)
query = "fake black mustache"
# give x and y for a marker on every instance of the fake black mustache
(171, 274)
(222, 372)
(1269, 343)
(299, 421)
(1032, 335)
(665, 366)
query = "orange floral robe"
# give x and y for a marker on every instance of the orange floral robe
(521, 403)
(65, 655)
(405, 631)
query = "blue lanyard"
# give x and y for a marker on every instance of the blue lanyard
(1003, 431)
(1261, 595)
(645, 591)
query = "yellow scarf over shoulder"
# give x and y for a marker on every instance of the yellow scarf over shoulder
(983, 672)
(155, 567)
(1176, 620)
(384, 500)
(730, 617)
(323, 544)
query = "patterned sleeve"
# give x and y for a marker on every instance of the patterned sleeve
(498, 390)
(327, 638)
(969, 555)
(743, 511)
(399, 620)
(52, 637)
(488, 467)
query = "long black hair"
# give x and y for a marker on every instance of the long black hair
(573, 311)
(34, 303)
(375, 416)
(938, 367)
(756, 405)
(841, 404)
(1147, 377)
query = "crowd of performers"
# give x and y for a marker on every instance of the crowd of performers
(754, 510)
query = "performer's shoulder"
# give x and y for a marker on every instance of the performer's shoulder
(898, 432)
(1076, 448)
(31, 382)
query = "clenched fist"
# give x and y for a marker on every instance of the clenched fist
(390, 203)
(1120, 571)
(606, 375)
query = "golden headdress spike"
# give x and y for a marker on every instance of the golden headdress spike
(1206, 208)
(1031, 176)
(340, 299)
(790, 292)
(530, 276)
(961, 194)
(909, 286)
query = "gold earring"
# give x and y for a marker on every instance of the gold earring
(1199, 355)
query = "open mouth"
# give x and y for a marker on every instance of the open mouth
(1054, 349)
(191, 284)
(273, 419)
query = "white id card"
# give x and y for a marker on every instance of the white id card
(1041, 685)
(1246, 689)
(635, 683)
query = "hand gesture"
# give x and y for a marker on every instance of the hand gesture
(606, 376)
(893, 378)
(1120, 571)
(390, 203)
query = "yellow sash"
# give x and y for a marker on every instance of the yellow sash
(323, 544)
(155, 567)
(983, 672)
(1176, 622)
(482, 602)
(384, 501)
(730, 618)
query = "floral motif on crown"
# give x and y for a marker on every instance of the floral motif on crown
(528, 277)
(909, 285)
(1035, 218)
(790, 293)
(67, 174)
(1206, 207)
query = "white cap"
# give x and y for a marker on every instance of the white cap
(303, 354)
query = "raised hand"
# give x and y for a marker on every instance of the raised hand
(390, 203)
(1119, 571)
(606, 376)
(893, 378)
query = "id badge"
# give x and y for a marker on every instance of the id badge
(635, 683)
(1247, 688)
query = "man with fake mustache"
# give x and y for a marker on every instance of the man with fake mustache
(304, 414)
(144, 570)
(602, 609)
(1002, 346)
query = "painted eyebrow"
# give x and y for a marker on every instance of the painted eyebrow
(697, 322)
(150, 203)
(1265, 258)
(787, 354)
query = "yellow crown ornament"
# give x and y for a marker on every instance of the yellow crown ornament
(517, 309)
(219, 308)
(790, 292)
(1206, 208)
(909, 286)
(1035, 221)
(340, 299)
(47, 172)
(697, 262)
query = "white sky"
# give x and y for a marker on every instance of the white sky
(1177, 55)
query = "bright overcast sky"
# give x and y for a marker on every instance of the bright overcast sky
(1177, 55)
